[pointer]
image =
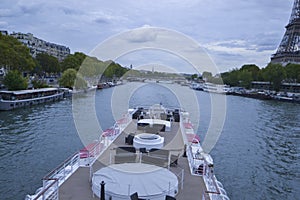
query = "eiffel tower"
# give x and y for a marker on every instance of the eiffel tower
(289, 48)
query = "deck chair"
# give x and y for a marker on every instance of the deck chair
(170, 198)
(135, 196)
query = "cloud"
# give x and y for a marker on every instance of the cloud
(231, 30)
(235, 53)
(29, 7)
(142, 35)
(5, 12)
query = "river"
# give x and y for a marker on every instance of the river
(256, 156)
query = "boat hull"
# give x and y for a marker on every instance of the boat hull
(10, 105)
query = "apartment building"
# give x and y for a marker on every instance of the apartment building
(37, 46)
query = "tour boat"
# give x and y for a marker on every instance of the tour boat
(22, 98)
(215, 88)
(151, 153)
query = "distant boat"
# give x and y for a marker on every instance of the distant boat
(216, 88)
(196, 86)
(22, 98)
(105, 85)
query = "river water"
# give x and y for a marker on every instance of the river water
(256, 156)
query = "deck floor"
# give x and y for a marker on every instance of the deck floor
(78, 186)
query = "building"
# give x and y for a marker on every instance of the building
(3, 32)
(38, 46)
(285, 87)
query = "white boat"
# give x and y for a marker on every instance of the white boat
(216, 88)
(197, 86)
(151, 153)
(22, 98)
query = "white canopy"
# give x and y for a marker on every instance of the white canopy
(122, 180)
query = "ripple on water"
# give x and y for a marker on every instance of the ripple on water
(278, 129)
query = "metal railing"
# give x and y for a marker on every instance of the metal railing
(50, 192)
(56, 177)
(214, 188)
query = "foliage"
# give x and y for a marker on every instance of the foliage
(73, 61)
(206, 75)
(293, 72)
(14, 55)
(15, 81)
(253, 69)
(274, 73)
(46, 63)
(114, 70)
(92, 67)
(80, 83)
(38, 84)
(68, 78)
(245, 78)
(231, 78)
(194, 76)
(71, 79)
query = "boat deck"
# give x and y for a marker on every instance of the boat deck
(78, 185)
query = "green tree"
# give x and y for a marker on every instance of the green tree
(14, 55)
(71, 79)
(245, 78)
(46, 63)
(194, 76)
(274, 73)
(73, 61)
(231, 78)
(251, 68)
(39, 84)
(206, 75)
(68, 78)
(114, 70)
(15, 81)
(293, 72)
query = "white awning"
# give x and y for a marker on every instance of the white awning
(122, 180)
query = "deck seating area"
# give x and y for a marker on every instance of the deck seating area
(125, 155)
(158, 157)
(122, 151)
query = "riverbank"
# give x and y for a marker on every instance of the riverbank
(264, 95)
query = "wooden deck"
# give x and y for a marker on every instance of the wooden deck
(78, 186)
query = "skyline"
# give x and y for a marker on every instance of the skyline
(232, 32)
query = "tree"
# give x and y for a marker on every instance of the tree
(206, 75)
(245, 78)
(46, 63)
(68, 78)
(194, 76)
(293, 72)
(73, 61)
(231, 78)
(251, 68)
(71, 79)
(39, 84)
(14, 55)
(15, 81)
(114, 70)
(274, 73)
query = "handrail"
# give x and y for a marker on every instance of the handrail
(208, 175)
(47, 177)
(40, 194)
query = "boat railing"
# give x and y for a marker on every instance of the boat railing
(50, 192)
(200, 167)
(180, 176)
(63, 170)
(56, 177)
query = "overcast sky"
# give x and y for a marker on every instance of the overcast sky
(233, 32)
